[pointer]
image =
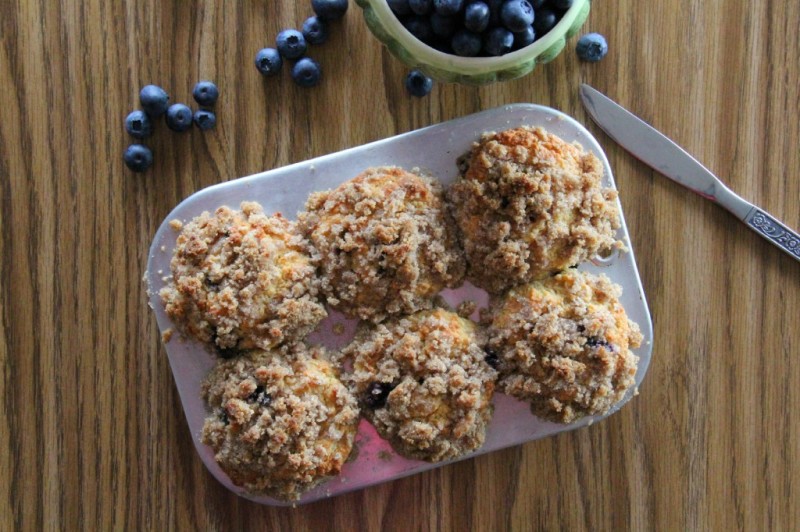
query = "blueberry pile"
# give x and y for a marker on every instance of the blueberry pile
(291, 44)
(471, 28)
(179, 117)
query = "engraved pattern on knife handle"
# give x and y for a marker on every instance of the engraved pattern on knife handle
(779, 234)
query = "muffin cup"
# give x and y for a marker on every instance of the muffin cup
(470, 70)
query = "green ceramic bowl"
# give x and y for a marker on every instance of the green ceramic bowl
(470, 70)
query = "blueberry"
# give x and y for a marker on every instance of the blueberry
(138, 125)
(537, 4)
(420, 7)
(599, 342)
(315, 30)
(476, 17)
(376, 394)
(592, 47)
(329, 9)
(179, 117)
(420, 27)
(291, 44)
(138, 157)
(223, 417)
(399, 7)
(260, 396)
(524, 38)
(205, 119)
(268, 61)
(205, 93)
(516, 15)
(562, 4)
(306, 72)
(154, 100)
(492, 358)
(443, 26)
(546, 19)
(448, 7)
(466, 44)
(418, 84)
(498, 41)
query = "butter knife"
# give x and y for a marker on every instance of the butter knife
(661, 154)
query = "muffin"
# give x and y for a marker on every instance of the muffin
(423, 383)
(563, 344)
(383, 243)
(280, 422)
(242, 280)
(528, 204)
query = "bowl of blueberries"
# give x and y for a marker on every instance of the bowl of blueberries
(474, 42)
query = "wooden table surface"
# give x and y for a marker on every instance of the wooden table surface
(92, 434)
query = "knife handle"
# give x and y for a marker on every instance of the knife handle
(767, 226)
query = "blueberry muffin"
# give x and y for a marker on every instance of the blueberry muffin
(242, 280)
(383, 242)
(563, 344)
(528, 204)
(280, 422)
(423, 382)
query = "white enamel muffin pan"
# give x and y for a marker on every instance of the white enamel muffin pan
(434, 150)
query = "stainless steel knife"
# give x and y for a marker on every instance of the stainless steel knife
(660, 153)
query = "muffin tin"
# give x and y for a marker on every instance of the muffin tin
(434, 150)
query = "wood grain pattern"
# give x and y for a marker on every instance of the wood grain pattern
(91, 430)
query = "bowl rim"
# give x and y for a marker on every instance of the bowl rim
(426, 54)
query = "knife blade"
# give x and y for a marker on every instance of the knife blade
(661, 154)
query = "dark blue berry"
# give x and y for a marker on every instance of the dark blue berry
(138, 125)
(179, 117)
(268, 61)
(492, 358)
(315, 30)
(420, 27)
(516, 15)
(466, 44)
(420, 7)
(260, 396)
(205, 93)
(448, 7)
(562, 4)
(418, 84)
(524, 38)
(291, 44)
(537, 4)
(592, 47)
(154, 100)
(329, 9)
(498, 41)
(476, 17)
(138, 157)
(546, 19)
(443, 26)
(306, 72)
(376, 394)
(205, 119)
(399, 7)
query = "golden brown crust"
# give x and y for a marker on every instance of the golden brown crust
(242, 280)
(384, 243)
(423, 383)
(529, 204)
(563, 345)
(280, 422)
